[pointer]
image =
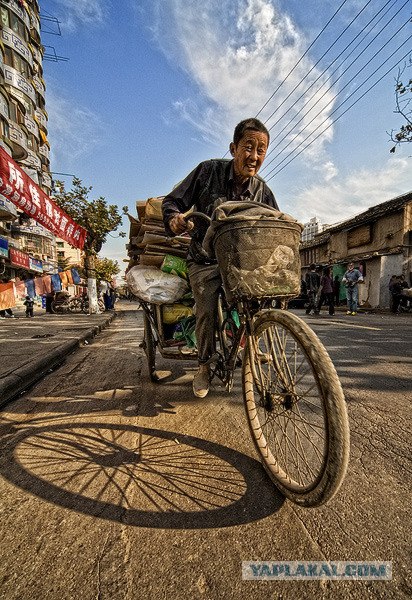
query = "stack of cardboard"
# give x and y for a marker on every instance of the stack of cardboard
(151, 240)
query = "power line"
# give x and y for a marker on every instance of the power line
(303, 56)
(317, 62)
(337, 68)
(336, 95)
(338, 117)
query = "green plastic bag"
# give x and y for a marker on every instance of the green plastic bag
(175, 266)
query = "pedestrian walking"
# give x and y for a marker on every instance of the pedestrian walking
(326, 292)
(29, 304)
(351, 279)
(336, 290)
(312, 281)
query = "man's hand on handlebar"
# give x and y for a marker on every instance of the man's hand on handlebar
(178, 224)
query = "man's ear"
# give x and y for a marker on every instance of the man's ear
(232, 148)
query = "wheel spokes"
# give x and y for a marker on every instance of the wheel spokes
(289, 406)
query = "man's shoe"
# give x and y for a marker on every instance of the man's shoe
(201, 382)
(354, 313)
(348, 312)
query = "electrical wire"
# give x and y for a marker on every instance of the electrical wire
(303, 56)
(338, 67)
(318, 61)
(337, 118)
(336, 95)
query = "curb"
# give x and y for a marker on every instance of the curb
(25, 377)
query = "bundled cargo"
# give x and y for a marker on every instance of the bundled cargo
(158, 273)
(152, 243)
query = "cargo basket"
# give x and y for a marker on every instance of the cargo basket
(259, 258)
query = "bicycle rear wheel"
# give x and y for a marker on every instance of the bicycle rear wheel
(75, 305)
(149, 347)
(296, 408)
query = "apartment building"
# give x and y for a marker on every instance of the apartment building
(26, 248)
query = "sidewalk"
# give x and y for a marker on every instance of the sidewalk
(30, 348)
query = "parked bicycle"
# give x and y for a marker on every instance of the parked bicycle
(64, 303)
(294, 401)
(61, 303)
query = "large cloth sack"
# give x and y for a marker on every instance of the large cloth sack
(155, 286)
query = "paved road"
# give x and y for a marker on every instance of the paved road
(117, 488)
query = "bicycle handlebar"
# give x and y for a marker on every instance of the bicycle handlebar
(198, 214)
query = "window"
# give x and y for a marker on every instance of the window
(12, 59)
(4, 14)
(13, 111)
(17, 25)
(5, 130)
(60, 244)
(21, 65)
(8, 56)
(60, 253)
(32, 142)
(4, 106)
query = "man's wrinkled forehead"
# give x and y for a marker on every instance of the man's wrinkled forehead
(253, 134)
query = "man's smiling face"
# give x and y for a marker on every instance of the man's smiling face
(249, 154)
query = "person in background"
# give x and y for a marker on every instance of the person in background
(210, 184)
(336, 290)
(351, 279)
(326, 291)
(312, 281)
(29, 304)
(393, 292)
(403, 286)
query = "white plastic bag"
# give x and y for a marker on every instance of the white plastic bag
(152, 285)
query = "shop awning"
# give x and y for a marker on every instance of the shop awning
(20, 189)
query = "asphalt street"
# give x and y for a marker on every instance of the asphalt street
(116, 488)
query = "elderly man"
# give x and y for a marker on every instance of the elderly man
(210, 184)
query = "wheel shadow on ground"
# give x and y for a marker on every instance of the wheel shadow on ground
(138, 476)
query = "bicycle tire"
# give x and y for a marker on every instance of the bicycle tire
(75, 305)
(149, 348)
(58, 308)
(292, 394)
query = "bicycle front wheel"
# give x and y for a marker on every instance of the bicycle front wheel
(296, 408)
(59, 308)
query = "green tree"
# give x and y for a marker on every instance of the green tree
(63, 263)
(106, 268)
(98, 218)
(403, 100)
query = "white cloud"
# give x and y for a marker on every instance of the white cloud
(335, 201)
(73, 130)
(238, 53)
(80, 13)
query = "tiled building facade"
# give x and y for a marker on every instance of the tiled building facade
(23, 128)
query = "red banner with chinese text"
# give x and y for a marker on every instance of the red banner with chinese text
(20, 189)
(19, 258)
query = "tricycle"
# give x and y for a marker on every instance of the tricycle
(293, 398)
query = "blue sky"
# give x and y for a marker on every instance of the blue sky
(156, 86)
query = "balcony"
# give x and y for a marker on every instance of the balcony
(8, 211)
(17, 81)
(14, 41)
(18, 141)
